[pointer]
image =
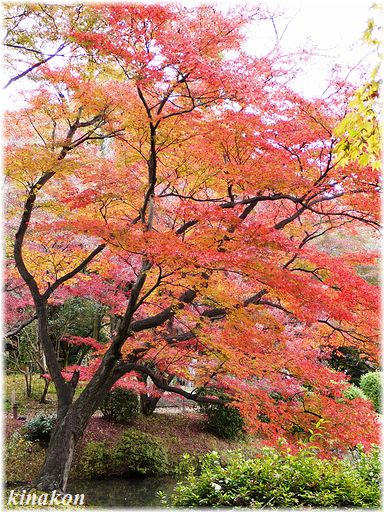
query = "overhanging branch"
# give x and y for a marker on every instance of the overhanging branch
(124, 368)
(20, 327)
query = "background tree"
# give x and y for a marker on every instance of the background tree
(360, 129)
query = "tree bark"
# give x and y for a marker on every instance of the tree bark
(72, 419)
(148, 404)
(55, 472)
(43, 398)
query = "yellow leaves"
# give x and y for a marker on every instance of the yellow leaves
(373, 34)
(359, 131)
(56, 254)
(26, 164)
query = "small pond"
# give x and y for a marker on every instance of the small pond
(127, 492)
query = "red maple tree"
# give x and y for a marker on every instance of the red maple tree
(181, 183)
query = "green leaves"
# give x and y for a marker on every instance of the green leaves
(282, 480)
(40, 428)
(370, 384)
(120, 405)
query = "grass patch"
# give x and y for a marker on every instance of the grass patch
(31, 406)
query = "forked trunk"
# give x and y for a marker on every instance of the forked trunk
(71, 424)
(43, 398)
(55, 472)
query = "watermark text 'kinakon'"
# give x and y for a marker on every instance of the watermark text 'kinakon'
(45, 499)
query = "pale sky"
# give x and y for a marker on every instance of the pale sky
(334, 26)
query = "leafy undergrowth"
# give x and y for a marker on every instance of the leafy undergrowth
(176, 433)
(278, 479)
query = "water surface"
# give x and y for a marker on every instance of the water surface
(122, 492)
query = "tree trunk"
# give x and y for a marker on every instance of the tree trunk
(55, 472)
(97, 325)
(148, 404)
(69, 429)
(72, 420)
(43, 398)
(28, 381)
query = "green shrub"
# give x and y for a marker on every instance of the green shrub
(223, 420)
(23, 459)
(367, 464)
(120, 405)
(141, 453)
(40, 428)
(370, 383)
(353, 392)
(280, 480)
(95, 460)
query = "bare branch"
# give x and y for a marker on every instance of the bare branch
(20, 327)
(156, 320)
(73, 272)
(34, 66)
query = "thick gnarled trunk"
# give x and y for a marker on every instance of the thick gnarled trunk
(72, 420)
(55, 472)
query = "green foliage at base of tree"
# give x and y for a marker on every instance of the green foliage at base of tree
(141, 453)
(224, 421)
(40, 428)
(277, 479)
(370, 383)
(120, 405)
(135, 452)
(23, 459)
(95, 460)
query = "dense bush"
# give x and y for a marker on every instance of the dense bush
(281, 480)
(353, 392)
(135, 452)
(95, 460)
(368, 464)
(370, 383)
(120, 405)
(223, 420)
(23, 459)
(40, 428)
(141, 453)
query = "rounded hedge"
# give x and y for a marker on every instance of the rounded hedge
(141, 453)
(370, 383)
(120, 405)
(354, 392)
(95, 461)
(40, 427)
(224, 421)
